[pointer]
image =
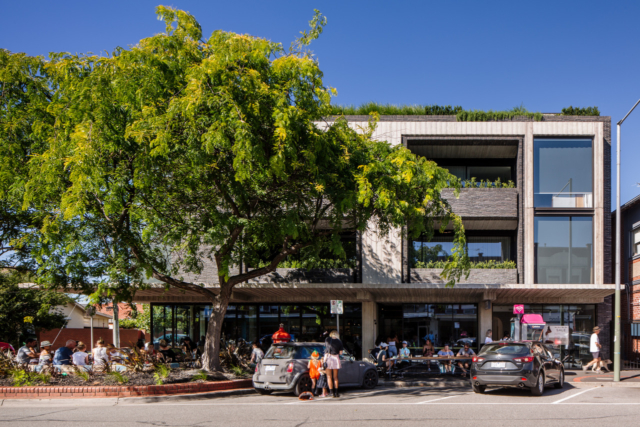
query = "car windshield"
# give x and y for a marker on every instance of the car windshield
(504, 348)
(293, 352)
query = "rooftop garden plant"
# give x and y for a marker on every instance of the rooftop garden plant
(489, 264)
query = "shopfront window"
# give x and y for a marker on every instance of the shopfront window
(563, 249)
(563, 173)
(452, 324)
(247, 322)
(580, 320)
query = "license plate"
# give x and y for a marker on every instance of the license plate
(498, 365)
(270, 368)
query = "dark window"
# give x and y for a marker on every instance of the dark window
(563, 249)
(480, 249)
(563, 173)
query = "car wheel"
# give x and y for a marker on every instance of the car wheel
(304, 384)
(370, 379)
(263, 391)
(478, 388)
(538, 390)
(560, 382)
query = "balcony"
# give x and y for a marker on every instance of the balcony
(485, 208)
(476, 276)
(301, 275)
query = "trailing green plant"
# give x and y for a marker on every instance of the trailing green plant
(489, 264)
(486, 116)
(311, 263)
(200, 376)
(119, 377)
(472, 183)
(161, 373)
(578, 111)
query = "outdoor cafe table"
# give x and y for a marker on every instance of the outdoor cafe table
(420, 358)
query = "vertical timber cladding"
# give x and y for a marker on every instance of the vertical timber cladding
(519, 180)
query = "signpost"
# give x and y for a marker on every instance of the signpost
(337, 309)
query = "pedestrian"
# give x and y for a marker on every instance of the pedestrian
(256, 355)
(80, 357)
(99, 354)
(322, 381)
(63, 354)
(314, 370)
(27, 353)
(445, 365)
(466, 351)
(334, 348)
(488, 338)
(594, 348)
(45, 353)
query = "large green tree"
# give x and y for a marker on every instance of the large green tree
(181, 149)
(25, 310)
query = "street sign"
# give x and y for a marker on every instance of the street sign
(336, 306)
(518, 309)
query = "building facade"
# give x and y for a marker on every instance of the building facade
(630, 279)
(538, 235)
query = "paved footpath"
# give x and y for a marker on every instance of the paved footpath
(449, 406)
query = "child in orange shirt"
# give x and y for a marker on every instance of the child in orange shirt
(314, 369)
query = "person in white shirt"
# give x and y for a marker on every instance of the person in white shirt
(594, 348)
(488, 338)
(80, 357)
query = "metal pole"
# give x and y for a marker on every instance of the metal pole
(617, 333)
(116, 326)
(92, 342)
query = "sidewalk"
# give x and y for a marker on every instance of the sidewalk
(575, 378)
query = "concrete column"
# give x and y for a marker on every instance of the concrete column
(598, 201)
(485, 319)
(529, 256)
(369, 326)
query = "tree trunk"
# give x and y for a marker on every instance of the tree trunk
(211, 355)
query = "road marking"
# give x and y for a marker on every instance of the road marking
(435, 400)
(574, 395)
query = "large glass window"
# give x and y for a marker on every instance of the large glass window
(563, 249)
(452, 324)
(480, 249)
(563, 173)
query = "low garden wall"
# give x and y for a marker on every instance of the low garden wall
(54, 392)
(476, 276)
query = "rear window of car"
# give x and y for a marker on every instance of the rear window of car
(503, 348)
(293, 352)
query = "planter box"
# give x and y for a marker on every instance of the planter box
(476, 276)
(300, 275)
(484, 202)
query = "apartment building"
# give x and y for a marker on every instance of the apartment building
(536, 208)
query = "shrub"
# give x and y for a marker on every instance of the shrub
(489, 264)
(577, 111)
(161, 373)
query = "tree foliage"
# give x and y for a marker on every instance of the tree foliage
(17, 303)
(181, 150)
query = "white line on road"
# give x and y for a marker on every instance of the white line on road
(435, 400)
(574, 395)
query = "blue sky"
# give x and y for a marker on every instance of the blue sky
(481, 55)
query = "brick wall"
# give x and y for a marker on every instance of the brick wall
(484, 202)
(127, 336)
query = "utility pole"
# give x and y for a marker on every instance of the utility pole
(617, 333)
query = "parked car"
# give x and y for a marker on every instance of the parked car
(284, 368)
(524, 364)
(169, 339)
(462, 341)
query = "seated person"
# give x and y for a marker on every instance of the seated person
(466, 351)
(382, 358)
(374, 352)
(427, 349)
(405, 353)
(444, 353)
(166, 353)
(190, 349)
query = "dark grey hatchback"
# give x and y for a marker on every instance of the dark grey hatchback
(524, 364)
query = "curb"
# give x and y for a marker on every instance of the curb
(187, 397)
(462, 383)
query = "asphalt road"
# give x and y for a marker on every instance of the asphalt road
(602, 406)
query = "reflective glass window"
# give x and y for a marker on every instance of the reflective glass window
(563, 173)
(563, 249)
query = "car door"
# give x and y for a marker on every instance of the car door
(349, 372)
(551, 366)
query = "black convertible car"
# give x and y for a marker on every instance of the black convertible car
(525, 364)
